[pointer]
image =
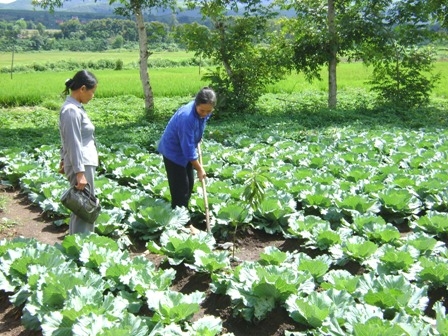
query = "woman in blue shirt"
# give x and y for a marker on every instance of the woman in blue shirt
(179, 142)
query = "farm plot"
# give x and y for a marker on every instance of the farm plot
(365, 212)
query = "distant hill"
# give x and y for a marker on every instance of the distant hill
(84, 10)
(77, 6)
(87, 10)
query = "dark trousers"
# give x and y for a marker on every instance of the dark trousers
(181, 181)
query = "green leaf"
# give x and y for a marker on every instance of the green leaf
(181, 246)
(397, 260)
(210, 262)
(376, 326)
(170, 306)
(359, 249)
(340, 280)
(233, 214)
(434, 222)
(206, 326)
(315, 267)
(441, 318)
(393, 292)
(272, 256)
(400, 201)
(422, 242)
(359, 203)
(434, 271)
(328, 238)
(311, 311)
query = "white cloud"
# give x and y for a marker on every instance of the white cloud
(6, 1)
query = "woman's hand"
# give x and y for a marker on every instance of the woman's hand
(82, 181)
(61, 167)
(201, 174)
(199, 169)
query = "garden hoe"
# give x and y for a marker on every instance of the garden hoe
(204, 191)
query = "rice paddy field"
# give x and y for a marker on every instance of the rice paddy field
(31, 88)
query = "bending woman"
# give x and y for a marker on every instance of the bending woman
(179, 142)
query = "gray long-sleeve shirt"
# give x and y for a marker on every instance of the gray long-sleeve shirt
(77, 136)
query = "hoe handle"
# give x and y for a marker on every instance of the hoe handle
(204, 191)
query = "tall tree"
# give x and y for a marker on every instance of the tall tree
(237, 43)
(332, 54)
(403, 59)
(136, 9)
(322, 32)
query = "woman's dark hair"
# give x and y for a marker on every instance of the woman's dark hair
(205, 96)
(82, 77)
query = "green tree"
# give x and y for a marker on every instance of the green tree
(36, 42)
(435, 10)
(237, 44)
(40, 29)
(322, 32)
(21, 24)
(118, 42)
(71, 27)
(105, 28)
(404, 80)
(157, 32)
(400, 55)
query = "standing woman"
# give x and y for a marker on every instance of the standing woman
(79, 156)
(179, 142)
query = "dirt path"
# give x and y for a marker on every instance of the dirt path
(25, 219)
(20, 218)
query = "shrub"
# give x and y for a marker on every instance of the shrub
(405, 79)
(119, 64)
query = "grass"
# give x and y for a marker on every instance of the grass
(118, 119)
(33, 101)
(37, 87)
(6, 224)
(127, 56)
(122, 119)
(3, 203)
(34, 88)
(351, 75)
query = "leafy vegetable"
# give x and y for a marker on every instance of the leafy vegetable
(173, 307)
(180, 246)
(433, 222)
(394, 293)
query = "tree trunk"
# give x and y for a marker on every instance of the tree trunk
(223, 51)
(332, 60)
(143, 61)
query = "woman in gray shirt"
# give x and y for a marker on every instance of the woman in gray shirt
(79, 156)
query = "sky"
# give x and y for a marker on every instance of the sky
(6, 1)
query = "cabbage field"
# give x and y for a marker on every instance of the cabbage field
(358, 195)
(364, 205)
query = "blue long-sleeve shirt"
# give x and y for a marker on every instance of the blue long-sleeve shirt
(182, 135)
